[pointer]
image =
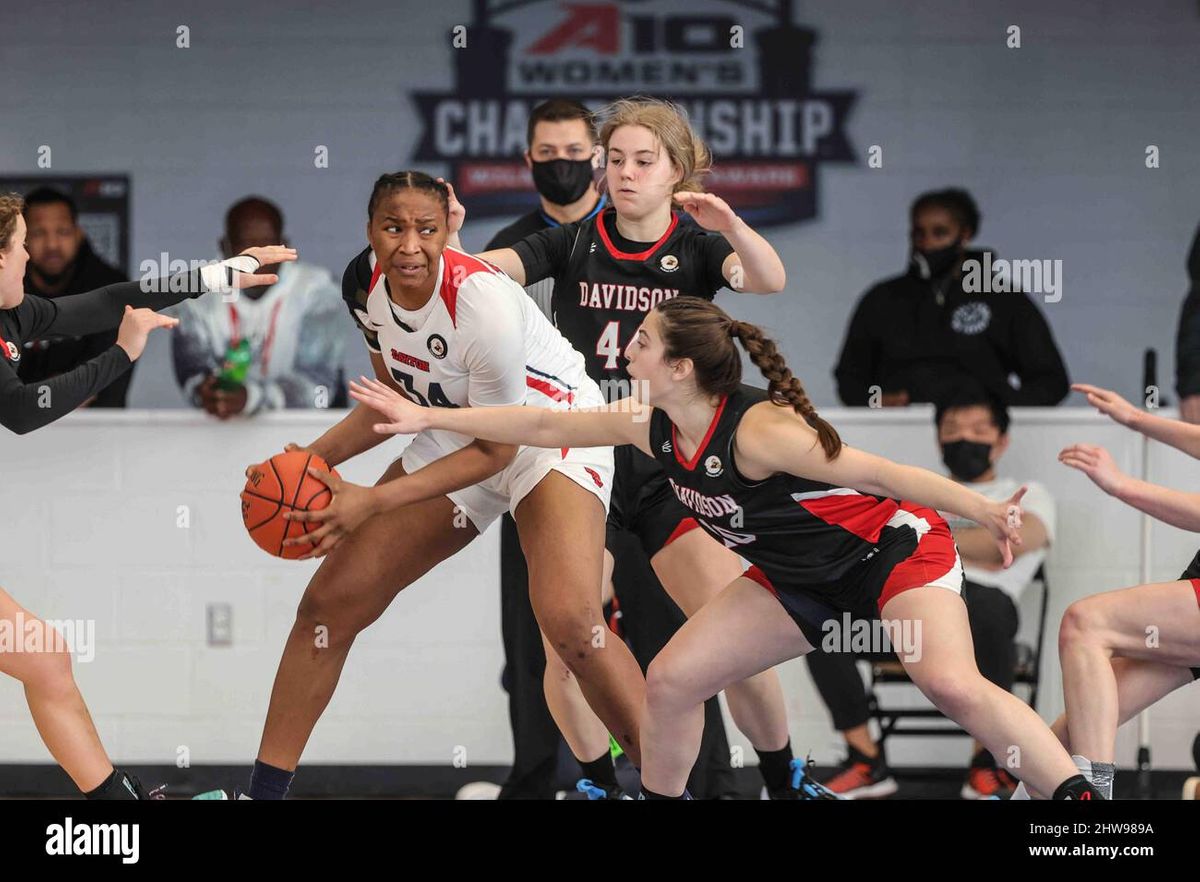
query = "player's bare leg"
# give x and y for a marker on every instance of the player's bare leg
(694, 569)
(58, 710)
(945, 671)
(740, 632)
(583, 731)
(354, 585)
(562, 534)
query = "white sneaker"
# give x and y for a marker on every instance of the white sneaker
(478, 790)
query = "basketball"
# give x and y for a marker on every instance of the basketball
(277, 486)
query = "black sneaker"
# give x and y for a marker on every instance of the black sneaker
(128, 786)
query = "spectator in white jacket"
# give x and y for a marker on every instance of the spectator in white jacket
(267, 348)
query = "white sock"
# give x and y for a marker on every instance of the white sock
(1099, 775)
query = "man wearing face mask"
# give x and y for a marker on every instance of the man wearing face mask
(915, 336)
(972, 429)
(562, 156)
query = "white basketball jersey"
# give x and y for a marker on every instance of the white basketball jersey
(478, 341)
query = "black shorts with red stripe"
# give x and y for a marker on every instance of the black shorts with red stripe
(915, 549)
(643, 502)
(1192, 574)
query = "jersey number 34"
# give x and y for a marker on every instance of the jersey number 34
(436, 398)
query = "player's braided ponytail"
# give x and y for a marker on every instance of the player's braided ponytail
(782, 385)
(703, 332)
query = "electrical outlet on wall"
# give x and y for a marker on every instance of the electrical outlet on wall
(220, 624)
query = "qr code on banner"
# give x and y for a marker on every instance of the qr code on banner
(104, 232)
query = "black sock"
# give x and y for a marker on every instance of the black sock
(1077, 787)
(115, 786)
(268, 782)
(875, 762)
(983, 760)
(650, 794)
(775, 766)
(601, 770)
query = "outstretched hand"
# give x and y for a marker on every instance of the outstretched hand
(1108, 403)
(406, 418)
(1003, 521)
(1097, 463)
(266, 255)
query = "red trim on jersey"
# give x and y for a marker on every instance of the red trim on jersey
(1196, 585)
(11, 351)
(934, 556)
(862, 515)
(375, 274)
(712, 427)
(625, 255)
(548, 390)
(754, 574)
(684, 527)
(452, 260)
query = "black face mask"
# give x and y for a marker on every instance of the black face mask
(967, 460)
(562, 181)
(937, 263)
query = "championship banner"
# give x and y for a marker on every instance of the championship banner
(741, 69)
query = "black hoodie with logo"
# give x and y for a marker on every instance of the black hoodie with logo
(926, 336)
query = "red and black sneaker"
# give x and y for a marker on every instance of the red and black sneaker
(862, 777)
(986, 781)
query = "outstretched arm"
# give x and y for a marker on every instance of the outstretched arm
(25, 407)
(1180, 435)
(1173, 507)
(774, 439)
(102, 309)
(622, 422)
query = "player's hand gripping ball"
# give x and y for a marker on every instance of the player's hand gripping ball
(277, 486)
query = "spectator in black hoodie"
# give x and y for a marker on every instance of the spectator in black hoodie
(916, 336)
(1187, 342)
(62, 262)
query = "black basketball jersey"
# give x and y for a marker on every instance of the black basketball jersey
(604, 284)
(797, 531)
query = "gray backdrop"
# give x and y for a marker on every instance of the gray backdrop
(1051, 139)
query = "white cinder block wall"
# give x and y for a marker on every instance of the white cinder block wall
(91, 531)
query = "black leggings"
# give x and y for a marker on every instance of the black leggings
(994, 620)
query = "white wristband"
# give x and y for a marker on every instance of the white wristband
(219, 276)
